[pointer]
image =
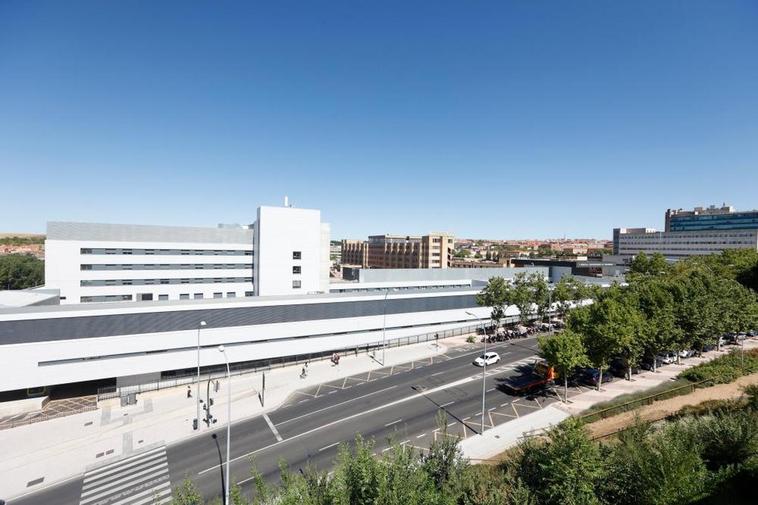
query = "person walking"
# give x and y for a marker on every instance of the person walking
(189, 392)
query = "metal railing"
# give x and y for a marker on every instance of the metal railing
(251, 367)
(645, 400)
(44, 417)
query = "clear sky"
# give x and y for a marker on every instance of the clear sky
(499, 119)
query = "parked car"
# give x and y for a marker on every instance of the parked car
(736, 338)
(619, 369)
(647, 363)
(488, 358)
(752, 333)
(686, 353)
(667, 358)
(591, 376)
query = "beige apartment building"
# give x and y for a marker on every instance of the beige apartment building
(394, 251)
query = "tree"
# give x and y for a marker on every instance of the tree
(643, 265)
(565, 469)
(527, 292)
(495, 295)
(658, 330)
(565, 352)
(567, 291)
(21, 271)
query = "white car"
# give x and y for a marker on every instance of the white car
(488, 358)
(667, 358)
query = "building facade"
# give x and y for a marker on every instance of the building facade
(700, 231)
(355, 252)
(681, 244)
(92, 262)
(711, 218)
(393, 251)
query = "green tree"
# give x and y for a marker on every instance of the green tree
(565, 469)
(186, 494)
(21, 271)
(567, 292)
(495, 295)
(565, 352)
(643, 265)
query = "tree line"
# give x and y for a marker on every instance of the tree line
(662, 307)
(707, 456)
(21, 271)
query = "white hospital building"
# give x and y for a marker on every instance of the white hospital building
(285, 252)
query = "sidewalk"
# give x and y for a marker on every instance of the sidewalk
(59, 449)
(499, 439)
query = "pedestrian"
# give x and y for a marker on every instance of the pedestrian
(216, 386)
(189, 392)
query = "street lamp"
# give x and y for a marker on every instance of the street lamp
(197, 385)
(384, 325)
(228, 421)
(484, 366)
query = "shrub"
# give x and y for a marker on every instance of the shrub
(724, 369)
(471, 339)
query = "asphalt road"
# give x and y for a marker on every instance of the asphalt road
(399, 404)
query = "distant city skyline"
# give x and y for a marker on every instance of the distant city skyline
(492, 119)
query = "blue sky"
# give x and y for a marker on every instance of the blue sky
(500, 119)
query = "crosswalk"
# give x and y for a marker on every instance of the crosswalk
(141, 479)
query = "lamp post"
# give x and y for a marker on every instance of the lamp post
(384, 325)
(197, 385)
(484, 367)
(228, 422)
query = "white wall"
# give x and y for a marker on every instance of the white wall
(63, 259)
(279, 232)
(155, 352)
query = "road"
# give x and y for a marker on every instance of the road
(399, 404)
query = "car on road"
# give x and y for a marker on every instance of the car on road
(686, 353)
(488, 358)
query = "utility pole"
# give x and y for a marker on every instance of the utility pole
(196, 424)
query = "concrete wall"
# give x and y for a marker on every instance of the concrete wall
(429, 274)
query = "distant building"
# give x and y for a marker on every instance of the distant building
(354, 252)
(396, 251)
(700, 231)
(711, 218)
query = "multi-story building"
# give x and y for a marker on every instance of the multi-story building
(711, 218)
(396, 251)
(691, 233)
(355, 252)
(286, 251)
(681, 244)
(393, 251)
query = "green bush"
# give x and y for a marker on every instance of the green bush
(471, 339)
(724, 369)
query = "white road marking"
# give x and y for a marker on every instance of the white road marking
(329, 446)
(393, 422)
(273, 428)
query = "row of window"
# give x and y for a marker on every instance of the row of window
(152, 282)
(168, 266)
(168, 252)
(161, 297)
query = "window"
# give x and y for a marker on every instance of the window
(296, 269)
(184, 296)
(296, 255)
(248, 293)
(86, 267)
(198, 296)
(162, 297)
(145, 297)
(231, 294)
(218, 295)
(296, 284)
